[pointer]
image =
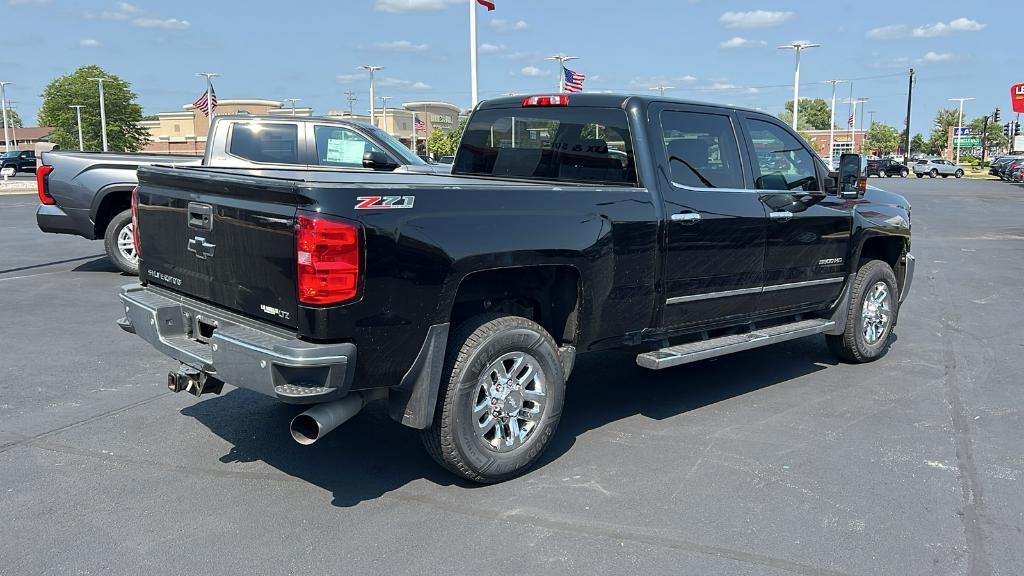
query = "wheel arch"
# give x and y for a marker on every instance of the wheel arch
(110, 201)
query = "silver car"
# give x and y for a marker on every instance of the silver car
(937, 167)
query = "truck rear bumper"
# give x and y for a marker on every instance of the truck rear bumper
(53, 219)
(238, 351)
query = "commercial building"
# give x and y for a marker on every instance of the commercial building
(844, 144)
(27, 138)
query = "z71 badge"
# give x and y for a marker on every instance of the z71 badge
(384, 202)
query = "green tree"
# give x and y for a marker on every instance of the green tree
(814, 114)
(440, 144)
(944, 120)
(882, 138)
(122, 111)
(918, 144)
(995, 139)
(13, 119)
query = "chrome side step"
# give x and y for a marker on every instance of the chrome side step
(694, 351)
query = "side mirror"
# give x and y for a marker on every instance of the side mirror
(377, 160)
(852, 182)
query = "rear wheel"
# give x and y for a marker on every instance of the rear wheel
(874, 305)
(119, 243)
(904, 173)
(933, 173)
(919, 175)
(500, 399)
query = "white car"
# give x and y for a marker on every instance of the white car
(937, 167)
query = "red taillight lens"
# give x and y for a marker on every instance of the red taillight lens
(550, 100)
(328, 259)
(43, 184)
(135, 221)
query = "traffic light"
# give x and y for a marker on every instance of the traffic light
(995, 117)
(1006, 129)
(1016, 128)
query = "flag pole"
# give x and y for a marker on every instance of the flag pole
(473, 71)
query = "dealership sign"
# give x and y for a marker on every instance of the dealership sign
(1017, 97)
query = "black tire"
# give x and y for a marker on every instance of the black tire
(959, 174)
(454, 439)
(852, 345)
(933, 173)
(919, 175)
(110, 239)
(12, 167)
(904, 173)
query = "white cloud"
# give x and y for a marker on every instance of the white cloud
(128, 8)
(402, 46)
(944, 29)
(389, 82)
(89, 43)
(486, 48)
(347, 78)
(400, 6)
(168, 23)
(937, 57)
(755, 19)
(890, 32)
(534, 72)
(507, 26)
(420, 86)
(740, 42)
(27, 2)
(722, 86)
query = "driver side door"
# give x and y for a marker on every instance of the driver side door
(808, 233)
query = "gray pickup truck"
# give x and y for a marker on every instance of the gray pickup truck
(89, 194)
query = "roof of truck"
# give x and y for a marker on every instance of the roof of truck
(605, 100)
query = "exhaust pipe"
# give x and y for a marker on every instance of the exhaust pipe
(315, 423)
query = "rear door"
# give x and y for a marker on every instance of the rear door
(225, 239)
(808, 231)
(714, 245)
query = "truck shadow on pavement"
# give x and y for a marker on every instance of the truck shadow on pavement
(372, 455)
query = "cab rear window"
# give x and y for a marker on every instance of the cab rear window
(566, 144)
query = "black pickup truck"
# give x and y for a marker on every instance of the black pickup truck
(679, 230)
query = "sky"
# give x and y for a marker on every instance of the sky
(720, 51)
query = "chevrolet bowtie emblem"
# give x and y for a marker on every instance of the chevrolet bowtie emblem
(201, 248)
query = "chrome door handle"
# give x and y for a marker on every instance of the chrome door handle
(783, 216)
(687, 218)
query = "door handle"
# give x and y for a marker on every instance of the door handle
(782, 216)
(687, 218)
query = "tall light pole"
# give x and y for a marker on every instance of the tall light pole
(661, 88)
(209, 91)
(103, 113)
(854, 102)
(371, 69)
(832, 124)
(959, 125)
(384, 108)
(351, 97)
(14, 129)
(797, 47)
(78, 116)
(561, 59)
(293, 101)
(3, 103)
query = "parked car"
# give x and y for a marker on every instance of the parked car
(887, 167)
(331, 293)
(1006, 166)
(89, 194)
(19, 160)
(446, 160)
(1017, 174)
(937, 167)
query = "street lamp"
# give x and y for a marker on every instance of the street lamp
(371, 69)
(832, 124)
(661, 88)
(78, 115)
(3, 104)
(797, 47)
(959, 125)
(293, 101)
(103, 112)
(561, 59)
(854, 102)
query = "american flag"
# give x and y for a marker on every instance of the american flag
(207, 102)
(574, 81)
(850, 121)
(421, 126)
(489, 4)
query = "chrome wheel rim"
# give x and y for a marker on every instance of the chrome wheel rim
(876, 314)
(126, 243)
(509, 402)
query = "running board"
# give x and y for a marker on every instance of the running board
(694, 351)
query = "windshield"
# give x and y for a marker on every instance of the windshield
(407, 156)
(574, 144)
(11, 154)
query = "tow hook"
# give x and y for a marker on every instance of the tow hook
(194, 382)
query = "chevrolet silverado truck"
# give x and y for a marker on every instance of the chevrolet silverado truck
(89, 194)
(571, 223)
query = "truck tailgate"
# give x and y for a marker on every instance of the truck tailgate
(226, 239)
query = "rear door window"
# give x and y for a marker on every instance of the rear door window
(268, 143)
(341, 147)
(701, 149)
(558, 143)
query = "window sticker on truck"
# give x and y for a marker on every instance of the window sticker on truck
(384, 202)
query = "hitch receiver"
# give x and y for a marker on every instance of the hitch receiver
(194, 382)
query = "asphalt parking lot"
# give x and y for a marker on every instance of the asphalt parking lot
(773, 461)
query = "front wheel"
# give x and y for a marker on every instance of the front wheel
(904, 173)
(919, 175)
(959, 173)
(871, 315)
(500, 399)
(933, 173)
(119, 243)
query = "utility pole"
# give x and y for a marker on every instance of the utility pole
(351, 97)
(871, 114)
(861, 101)
(14, 129)
(832, 124)
(371, 69)
(661, 88)
(384, 108)
(910, 98)
(561, 59)
(3, 103)
(797, 47)
(959, 126)
(103, 113)
(78, 115)
(293, 101)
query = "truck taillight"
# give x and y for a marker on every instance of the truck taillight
(542, 101)
(43, 184)
(328, 259)
(135, 221)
